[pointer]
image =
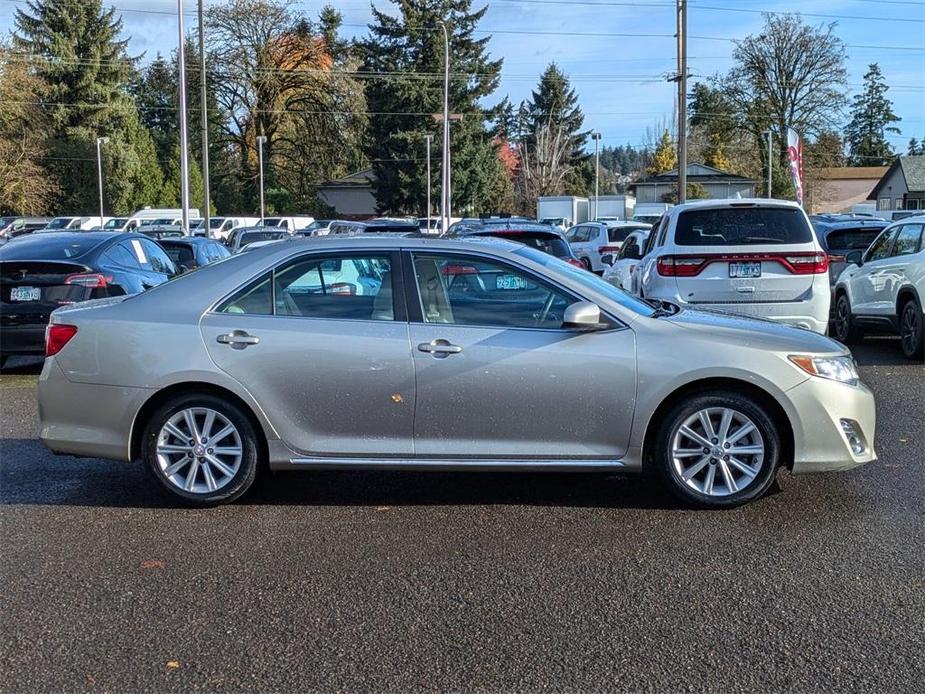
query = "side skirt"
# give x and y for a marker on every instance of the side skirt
(319, 463)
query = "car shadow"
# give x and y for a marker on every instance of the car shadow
(31, 475)
(880, 350)
(23, 366)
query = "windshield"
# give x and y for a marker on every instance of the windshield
(216, 222)
(59, 223)
(116, 223)
(588, 280)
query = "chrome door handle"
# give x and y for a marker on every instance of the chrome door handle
(238, 339)
(439, 348)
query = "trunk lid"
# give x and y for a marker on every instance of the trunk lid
(31, 289)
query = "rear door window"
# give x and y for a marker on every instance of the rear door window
(750, 226)
(851, 239)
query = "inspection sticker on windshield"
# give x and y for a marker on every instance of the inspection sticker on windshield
(745, 269)
(510, 282)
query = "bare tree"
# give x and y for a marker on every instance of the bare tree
(544, 165)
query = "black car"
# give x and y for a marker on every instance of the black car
(244, 236)
(543, 237)
(839, 234)
(374, 226)
(39, 273)
(161, 231)
(190, 252)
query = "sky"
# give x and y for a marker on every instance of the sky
(617, 53)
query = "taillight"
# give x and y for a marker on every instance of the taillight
(807, 264)
(681, 265)
(92, 280)
(837, 259)
(608, 249)
(56, 336)
(449, 270)
(575, 262)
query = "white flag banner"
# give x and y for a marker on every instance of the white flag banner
(795, 155)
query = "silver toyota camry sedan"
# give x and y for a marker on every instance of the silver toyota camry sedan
(398, 353)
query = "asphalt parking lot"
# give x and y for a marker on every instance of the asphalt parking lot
(453, 581)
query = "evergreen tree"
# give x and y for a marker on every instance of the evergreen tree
(555, 103)
(871, 118)
(404, 56)
(665, 157)
(169, 194)
(84, 62)
(916, 147)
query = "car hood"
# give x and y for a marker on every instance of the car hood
(754, 333)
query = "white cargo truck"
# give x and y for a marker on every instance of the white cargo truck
(562, 211)
(649, 212)
(612, 207)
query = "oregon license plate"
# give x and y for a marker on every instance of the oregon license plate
(510, 282)
(747, 269)
(25, 294)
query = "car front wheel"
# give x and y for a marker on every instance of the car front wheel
(846, 331)
(202, 449)
(912, 330)
(718, 450)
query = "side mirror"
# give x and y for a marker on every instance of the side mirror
(582, 315)
(607, 259)
(855, 258)
(633, 252)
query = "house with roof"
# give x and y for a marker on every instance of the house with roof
(902, 187)
(352, 196)
(840, 188)
(719, 184)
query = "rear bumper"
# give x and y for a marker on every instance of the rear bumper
(820, 441)
(85, 419)
(26, 338)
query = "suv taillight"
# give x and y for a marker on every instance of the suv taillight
(681, 265)
(807, 263)
(57, 335)
(691, 265)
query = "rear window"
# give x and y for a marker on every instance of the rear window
(548, 243)
(254, 236)
(850, 239)
(619, 234)
(390, 228)
(43, 248)
(180, 253)
(751, 226)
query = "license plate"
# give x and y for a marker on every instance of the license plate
(25, 294)
(510, 282)
(745, 269)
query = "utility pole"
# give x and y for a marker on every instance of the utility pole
(184, 139)
(204, 115)
(770, 156)
(99, 170)
(445, 199)
(597, 173)
(427, 139)
(260, 140)
(682, 101)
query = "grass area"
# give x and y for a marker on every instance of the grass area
(10, 381)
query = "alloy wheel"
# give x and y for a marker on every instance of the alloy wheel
(717, 451)
(199, 450)
(909, 328)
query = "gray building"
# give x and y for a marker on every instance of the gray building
(902, 186)
(719, 184)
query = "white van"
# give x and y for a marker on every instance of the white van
(160, 216)
(291, 224)
(221, 227)
(73, 223)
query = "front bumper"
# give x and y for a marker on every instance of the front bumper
(820, 441)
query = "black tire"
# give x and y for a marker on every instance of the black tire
(912, 330)
(845, 331)
(243, 478)
(742, 405)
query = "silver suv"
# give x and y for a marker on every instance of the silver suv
(754, 257)
(883, 287)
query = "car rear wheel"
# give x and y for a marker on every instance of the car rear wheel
(202, 449)
(846, 331)
(718, 450)
(912, 330)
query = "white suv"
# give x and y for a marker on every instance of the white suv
(591, 240)
(884, 286)
(755, 257)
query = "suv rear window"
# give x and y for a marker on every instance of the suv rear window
(851, 239)
(619, 234)
(742, 227)
(548, 243)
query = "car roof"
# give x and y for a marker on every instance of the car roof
(34, 245)
(503, 225)
(723, 203)
(853, 223)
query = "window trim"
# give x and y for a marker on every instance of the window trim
(399, 302)
(416, 312)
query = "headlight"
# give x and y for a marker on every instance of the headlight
(839, 369)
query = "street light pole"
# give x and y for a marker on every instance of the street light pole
(260, 140)
(204, 117)
(427, 139)
(445, 203)
(682, 101)
(99, 170)
(770, 155)
(597, 173)
(184, 139)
